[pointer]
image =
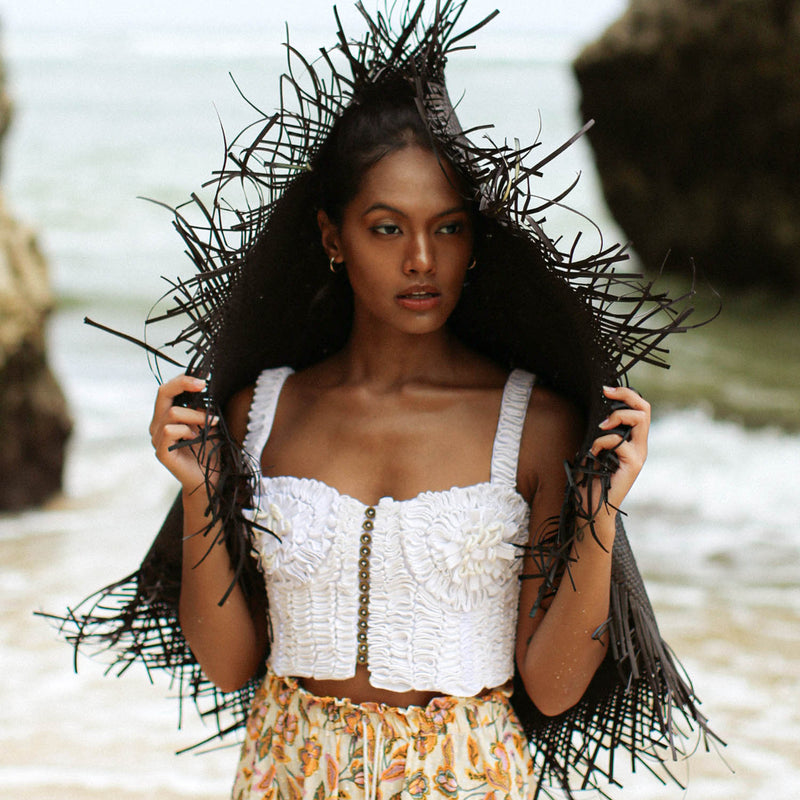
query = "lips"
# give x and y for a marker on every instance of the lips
(423, 292)
(420, 298)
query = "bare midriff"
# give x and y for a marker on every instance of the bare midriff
(359, 690)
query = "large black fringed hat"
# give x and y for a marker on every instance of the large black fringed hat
(262, 296)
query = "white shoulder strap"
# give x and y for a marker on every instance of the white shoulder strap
(505, 453)
(262, 410)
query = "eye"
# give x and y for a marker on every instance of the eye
(452, 227)
(386, 229)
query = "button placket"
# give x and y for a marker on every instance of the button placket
(364, 551)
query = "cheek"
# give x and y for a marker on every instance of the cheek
(359, 247)
(366, 280)
(362, 282)
(457, 256)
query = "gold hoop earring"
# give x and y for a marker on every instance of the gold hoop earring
(333, 265)
(472, 265)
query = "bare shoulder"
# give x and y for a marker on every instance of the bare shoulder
(237, 412)
(551, 410)
(552, 434)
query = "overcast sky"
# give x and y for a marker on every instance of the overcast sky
(580, 16)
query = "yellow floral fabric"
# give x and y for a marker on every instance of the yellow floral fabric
(302, 747)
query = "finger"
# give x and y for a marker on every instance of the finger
(624, 453)
(629, 414)
(172, 434)
(168, 391)
(625, 416)
(611, 441)
(194, 420)
(629, 396)
(179, 384)
(190, 416)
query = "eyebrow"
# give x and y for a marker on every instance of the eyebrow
(386, 207)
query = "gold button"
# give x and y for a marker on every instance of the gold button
(363, 563)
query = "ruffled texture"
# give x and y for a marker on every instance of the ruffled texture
(463, 548)
(424, 616)
(291, 548)
(262, 412)
(311, 577)
(480, 562)
(444, 568)
(505, 452)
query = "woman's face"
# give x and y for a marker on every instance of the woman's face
(406, 242)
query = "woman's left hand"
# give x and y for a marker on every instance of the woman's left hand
(632, 451)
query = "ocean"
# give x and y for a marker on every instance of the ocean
(106, 116)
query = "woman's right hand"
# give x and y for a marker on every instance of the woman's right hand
(173, 423)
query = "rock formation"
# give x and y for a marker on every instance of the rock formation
(697, 141)
(34, 423)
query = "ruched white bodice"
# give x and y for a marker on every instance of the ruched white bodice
(429, 591)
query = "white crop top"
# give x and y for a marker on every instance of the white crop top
(423, 591)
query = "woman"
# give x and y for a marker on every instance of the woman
(403, 409)
(373, 431)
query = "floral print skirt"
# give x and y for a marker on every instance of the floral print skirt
(299, 745)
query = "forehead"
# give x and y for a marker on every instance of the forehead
(410, 179)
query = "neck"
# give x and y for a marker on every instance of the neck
(390, 358)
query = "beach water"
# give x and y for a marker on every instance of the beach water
(102, 119)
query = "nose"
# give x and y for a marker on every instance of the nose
(419, 258)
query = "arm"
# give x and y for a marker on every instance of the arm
(557, 653)
(228, 641)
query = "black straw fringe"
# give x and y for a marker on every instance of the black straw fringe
(639, 702)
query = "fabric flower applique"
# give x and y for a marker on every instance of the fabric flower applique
(291, 548)
(466, 560)
(273, 520)
(477, 561)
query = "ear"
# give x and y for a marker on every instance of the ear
(331, 240)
